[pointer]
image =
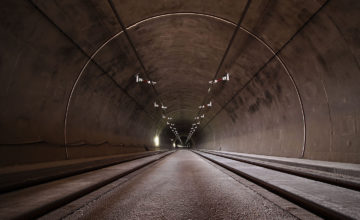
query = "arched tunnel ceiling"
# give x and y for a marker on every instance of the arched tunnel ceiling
(180, 44)
(287, 84)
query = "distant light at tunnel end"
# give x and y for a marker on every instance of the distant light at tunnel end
(156, 141)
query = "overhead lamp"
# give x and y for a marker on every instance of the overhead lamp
(150, 82)
(138, 79)
(156, 141)
(224, 78)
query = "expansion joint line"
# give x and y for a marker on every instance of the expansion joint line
(226, 52)
(276, 55)
(133, 47)
(157, 96)
(90, 59)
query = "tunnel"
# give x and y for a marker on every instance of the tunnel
(84, 79)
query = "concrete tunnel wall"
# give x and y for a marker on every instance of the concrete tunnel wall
(67, 77)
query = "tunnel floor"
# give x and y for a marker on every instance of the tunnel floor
(182, 186)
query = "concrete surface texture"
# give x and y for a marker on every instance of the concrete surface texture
(341, 203)
(67, 76)
(34, 201)
(349, 169)
(179, 187)
(343, 176)
(16, 177)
